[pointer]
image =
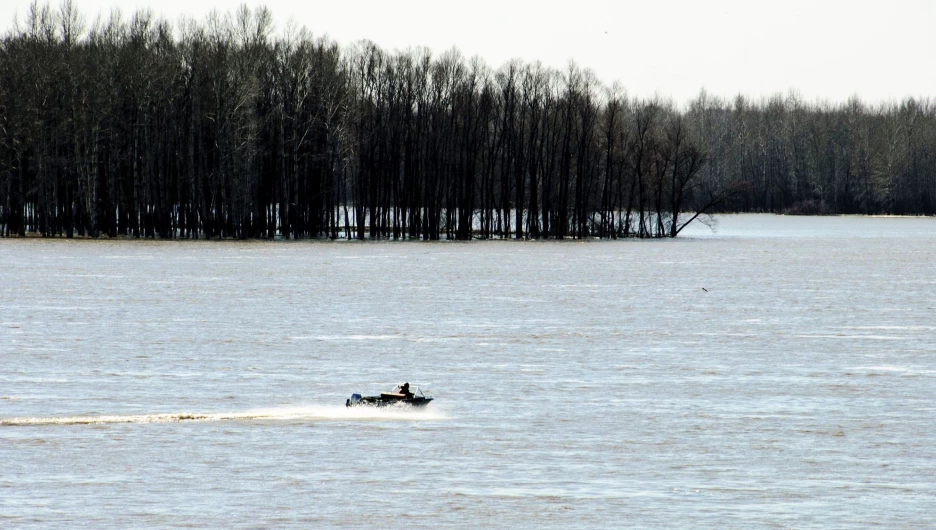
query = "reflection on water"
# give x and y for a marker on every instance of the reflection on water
(777, 373)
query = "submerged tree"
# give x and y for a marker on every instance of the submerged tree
(131, 127)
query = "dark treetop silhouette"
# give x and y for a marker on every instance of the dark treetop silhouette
(220, 129)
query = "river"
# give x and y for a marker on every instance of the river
(779, 372)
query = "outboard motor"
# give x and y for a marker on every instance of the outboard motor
(355, 399)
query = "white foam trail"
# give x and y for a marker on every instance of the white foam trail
(313, 412)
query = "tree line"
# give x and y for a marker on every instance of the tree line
(135, 127)
(801, 158)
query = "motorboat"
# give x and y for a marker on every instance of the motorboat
(400, 395)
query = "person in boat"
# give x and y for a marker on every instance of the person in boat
(405, 390)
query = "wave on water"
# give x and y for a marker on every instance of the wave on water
(330, 338)
(313, 412)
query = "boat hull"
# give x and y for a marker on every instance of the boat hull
(387, 401)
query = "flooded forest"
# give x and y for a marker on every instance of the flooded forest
(230, 127)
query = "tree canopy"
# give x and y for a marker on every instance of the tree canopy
(220, 128)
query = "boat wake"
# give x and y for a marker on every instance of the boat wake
(299, 413)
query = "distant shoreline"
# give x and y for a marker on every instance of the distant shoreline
(226, 130)
(131, 238)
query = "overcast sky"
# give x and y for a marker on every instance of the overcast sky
(830, 50)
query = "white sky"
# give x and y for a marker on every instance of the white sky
(823, 49)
